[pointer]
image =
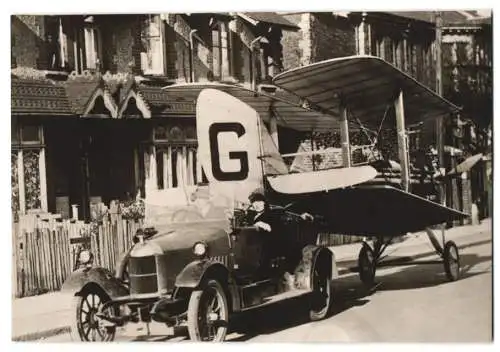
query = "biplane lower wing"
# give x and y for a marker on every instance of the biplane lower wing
(369, 210)
(322, 180)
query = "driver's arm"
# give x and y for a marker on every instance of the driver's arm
(262, 225)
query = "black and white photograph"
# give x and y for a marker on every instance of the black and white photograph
(274, 176)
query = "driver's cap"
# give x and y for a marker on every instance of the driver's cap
(257, 195)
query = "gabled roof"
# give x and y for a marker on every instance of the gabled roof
(84, 91)
(268, 17)
(38, 96)
(449, 18)
(162, 103)
(42, 96)
(132, 92)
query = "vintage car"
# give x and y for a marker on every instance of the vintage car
(198, 272)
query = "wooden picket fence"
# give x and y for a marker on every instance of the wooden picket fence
(45, 251)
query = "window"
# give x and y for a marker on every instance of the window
(93, 45)
(28, 168)
(53, 43)
(176, 157)
(217, 53)
(220, 52)
(152, 41)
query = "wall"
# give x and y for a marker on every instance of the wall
(297, 45)
(242, 36)
(321, 36)
(28, 41)
(408, 47)
(467, 72)
(331, 37)
(120, 54)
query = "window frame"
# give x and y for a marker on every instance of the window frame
(19, 147)
(147, 60)
(93, 58)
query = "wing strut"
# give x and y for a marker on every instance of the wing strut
(344, 137)
(402, 141)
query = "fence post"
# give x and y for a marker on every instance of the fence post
(15, 259)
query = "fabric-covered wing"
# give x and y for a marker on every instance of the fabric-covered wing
(288, 113)
(375, 211)
(366, 84)
(322, 180)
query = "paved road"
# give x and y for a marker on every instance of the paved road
(412, 304)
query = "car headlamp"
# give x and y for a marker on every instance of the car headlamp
(85, 257)
(200, 249)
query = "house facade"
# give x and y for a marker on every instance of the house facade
(468, 80)
(408, 40)
(407, 43)
(90, 120)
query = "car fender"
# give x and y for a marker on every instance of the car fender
(102, 277)
(311, 255)
(192, 275)
(196, 272)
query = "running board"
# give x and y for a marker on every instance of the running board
(278, 297)
(408, 262)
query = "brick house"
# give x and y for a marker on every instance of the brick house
(467, 73)
(90, 121)
(408, 41)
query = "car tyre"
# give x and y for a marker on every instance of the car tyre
(85, 325)
(208, 313)
(322, 290)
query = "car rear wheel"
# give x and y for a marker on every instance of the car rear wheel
(322, 290)
(86, 325)
(208, 313)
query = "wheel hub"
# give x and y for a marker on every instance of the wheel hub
(212, 317)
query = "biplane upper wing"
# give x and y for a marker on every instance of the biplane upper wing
(373, 210)
(288, 114)
(366, 85)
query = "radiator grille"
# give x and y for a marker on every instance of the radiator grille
(142, 273)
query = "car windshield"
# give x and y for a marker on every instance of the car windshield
(169, 215)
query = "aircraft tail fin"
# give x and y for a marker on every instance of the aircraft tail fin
(229, 146)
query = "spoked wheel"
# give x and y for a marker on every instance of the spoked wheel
(322, 291)
(86, 326)
(366, 265)
(208, 313)
(451, 260)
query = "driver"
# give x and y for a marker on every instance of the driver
(259, 212)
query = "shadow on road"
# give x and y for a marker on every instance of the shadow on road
(349, 292)
(421, 276)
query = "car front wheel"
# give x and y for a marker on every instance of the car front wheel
(86, 325)
(208, 313)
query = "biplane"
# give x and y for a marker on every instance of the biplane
(365, 90)
(197, 270)
(380, 200)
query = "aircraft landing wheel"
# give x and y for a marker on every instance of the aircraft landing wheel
(451, 260)
(366, 265)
